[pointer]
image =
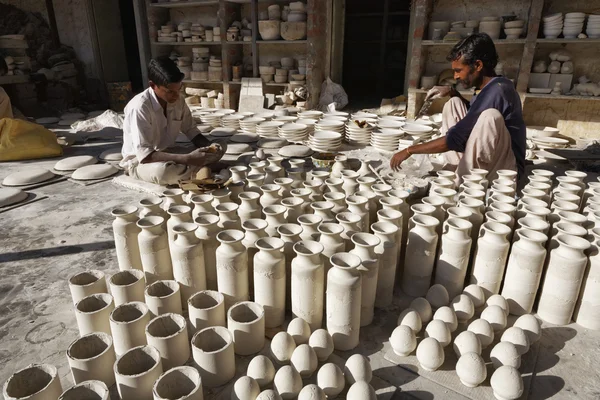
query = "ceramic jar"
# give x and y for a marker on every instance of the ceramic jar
(187, 256)
(179, 382)
(297, 174)
(350, 185)
(270, 195)
(365, 183)
(405, 210)
(490, 257)
(270, 280)
(91, 357)
(390, 203)
(136, 371)
(315, 187)
(154, 249)
(86, 283)
(249, 207)
(304, 194)
(323, 209)
(418, 263)
(290, 234)
(272, 173)
(524, 271)
(207, 233)
(206, 308)
(331, 239)
(238, 173)
(246, 322)
(168, 334)
(358, 205)
(228, 217)
(286, 186)
(163, 297)
(232, 267)
(92, 313)
(309, 224)
(294, 208)
(308, 283)
(387, 251)
(351, 224)
(151, 206)
(275, 216)
(126, 231)
(453, 259)
(254, 229)
(334, 185)
(476, 208)
(372, 204)
(365, 167)
(178, 215)
(128, 326)
(213, 352)
(586, 310)
(364, 247)
(446, 194)
(40, 380)
(254, 182)
(439, 212)
(202, 205)
(344, 289)
(339, 166)
(173, 197)
(127, 286)
(381, 190)
(257, 167)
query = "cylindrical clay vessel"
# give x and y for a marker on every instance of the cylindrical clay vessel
(364, 247)
(182, 383)
(206, 308)
(91, 357)
(128, 324)
(213, 353)
(308, 284)
(187, 256)
(163, 297)
(587, 311)
(154, 249)
(562, 282)
(127, 286)
(136, 371)
(344, 289)
(453, 259)
(246, 321)
(490, 257)
(269, 280)
(86, 390)
(92, 313)
(34, 382)
(207, 233)
(168, 334)
(387, 250)
(126, 233)
(420, 255)
(232, 267)
(86, 283)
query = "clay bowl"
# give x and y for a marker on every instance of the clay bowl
(269, 30)
(519, 23)
(293, 30)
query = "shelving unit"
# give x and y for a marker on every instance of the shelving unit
(577, 114)
(250, 54)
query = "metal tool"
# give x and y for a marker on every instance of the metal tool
(426, 104)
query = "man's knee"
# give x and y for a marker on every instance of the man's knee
(491, 114)
(453, 103)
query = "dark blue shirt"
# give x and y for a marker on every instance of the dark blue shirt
(500, 94)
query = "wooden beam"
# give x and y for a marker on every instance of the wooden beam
(318, 60)
(533, 27)
(418, 23)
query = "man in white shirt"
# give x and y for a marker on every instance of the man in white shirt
(153, 120)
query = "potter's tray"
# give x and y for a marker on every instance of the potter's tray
(574, 154)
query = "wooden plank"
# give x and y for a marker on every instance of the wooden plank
(13, 44)
(183, 4)
(14, 79)
(533, 27)
(499, 42)
(143, 37)
(254, 19)
(421, 9)
(575, 155)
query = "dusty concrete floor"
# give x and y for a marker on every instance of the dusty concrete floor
(43, 243)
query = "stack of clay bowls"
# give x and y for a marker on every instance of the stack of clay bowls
(294, 25)
(387, 123)
(310, 124)
(438, 29)
(325, 141)
(293, 132)
(248, 125)
(358, 132)
(266, 73)
(215, 69)
(281, 75)
(269, 128)
(593, 26)
(311, 114)
(232, 121)
(491, 26)
(213, 119)
(363, 115)
(514, 29)
(330, 125)
(549, 142)
(573, 24)
(418, 131)
(553, 25)
(386, 139)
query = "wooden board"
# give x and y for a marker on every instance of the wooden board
(575, 155)
(13, 79)
(13, 44)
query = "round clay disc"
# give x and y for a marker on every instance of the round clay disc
(238, 148)
(272, 143)
(10, 196)
(94, 114)
(72, 116)
(112, 154)
(244, 138)
(91, 172)
(204, 128)
(28, 177)
(47, 121)
(223, 132)
(67, 122)
(72, 163)
(295, 150)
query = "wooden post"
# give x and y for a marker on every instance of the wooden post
(535, 15)
(318, 64)
(421, 11)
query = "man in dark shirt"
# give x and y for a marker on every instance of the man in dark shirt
(489, 132)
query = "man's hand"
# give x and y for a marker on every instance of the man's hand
(200, 158)
(437, 92)
(398, 159)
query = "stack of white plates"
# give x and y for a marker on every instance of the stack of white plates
(386, 139)
(293, 132)
(390, 124)
(573, 24)
(593, 26)
(553, 25)
(325, 141)
(358, 135)
(246, 113)
(249, 124)
(285, 118)
(550, 142)
(363, 115)
(330, 125)
(336, 114)
(266, 115)
(213, 119)
(406, 141)
(269, 128)
(335, 118)
(396, 118)
(226, 111)
(418, 131)
(232, 121)
(310, 124)
(312, 114)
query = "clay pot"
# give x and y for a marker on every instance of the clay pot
(207, 233)
(270, 280)
(334, 185)
(92, 313)
(178, 215)
(452, 261)
(364, 247)
(290, 234)
(228, 218)
(338, 166)
(151, 206)
(309, 224)
(154, 249)
(563, 279)
(270, 195)
(438, 203)
(86, 390)
(294, 208)
(271, 173)
(246, 322)
(491, 255)
(350, 185)
(418, 264)
(358, 205)
(126, 231)
(86, 283)
(238, 173)
(330, 378)
(202, 205)
(127, 324)
(324, 209)
(351, 224)
(308, 282)
(586, 313)
(297, 174)
(187, 256)
(35, 382)
(274, 216)
(388, 252)
(173, 197)
(331, 239)
(206, 308)
(168, 334)
(213, 353)
(178, 383)
(163, 297)
(91, 357)
(136, 371)
(127, 286)
(371, 206)
(232, 267)
(269, 30)
(365, 182)
(315, 187)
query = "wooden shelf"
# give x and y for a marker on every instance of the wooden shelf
(182, 4)
(207, 82)
(13, 79)
(281, 41)
(276, 84)
(449, 43)
(423, 91)
(238, 42)
(559, 97)
(568, 41)
(186, 43)
(377, 14)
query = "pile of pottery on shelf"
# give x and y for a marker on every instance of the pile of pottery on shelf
(240, 31)
(555, 77)
(289, 23)
(456, 30)
(284, 71)
(188, 32)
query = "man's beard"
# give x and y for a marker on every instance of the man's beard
(472, 80)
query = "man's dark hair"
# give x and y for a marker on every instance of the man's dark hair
(478, 46)
(163, 71)
(3, 66)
